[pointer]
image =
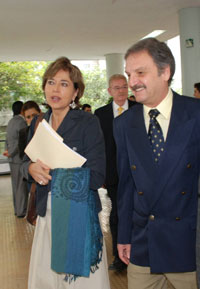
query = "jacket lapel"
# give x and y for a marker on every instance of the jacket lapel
(108, 115)
(67, 124)
(178, 137)
(138, 142)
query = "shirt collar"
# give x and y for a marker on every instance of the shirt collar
(125, 105)
(165, 107)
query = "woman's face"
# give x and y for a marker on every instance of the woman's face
(60, 92)
(29, 114)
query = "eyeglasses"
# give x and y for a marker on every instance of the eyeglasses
(117, 88)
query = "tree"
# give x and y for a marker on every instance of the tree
(20, 81)
(95, 88)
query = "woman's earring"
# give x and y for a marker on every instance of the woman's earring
(73, 105)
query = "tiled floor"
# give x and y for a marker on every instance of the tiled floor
(16, 239)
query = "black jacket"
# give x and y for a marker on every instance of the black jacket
(81, 131)
(106, 117)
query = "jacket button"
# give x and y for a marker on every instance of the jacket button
(183, 193)
(178, 218)
(140, 193)
(189, 166)
(133, 167)
(152, 217)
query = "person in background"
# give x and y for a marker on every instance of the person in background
(158, 156)
(197, 95)
(132, 97)
(197, 90)
(19, 185)
(63, 86)
(118, 90)
(87, 107)
(198, 239)
(29, 110)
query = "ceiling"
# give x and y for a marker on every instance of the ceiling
(82, 29)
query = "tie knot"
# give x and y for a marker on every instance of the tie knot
(153, 113)
(120, 110)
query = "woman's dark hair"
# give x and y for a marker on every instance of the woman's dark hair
(63, 63)
(30, 104)
(159, 51)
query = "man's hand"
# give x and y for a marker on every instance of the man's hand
(6, 154)
(124, 251)
(40, 172)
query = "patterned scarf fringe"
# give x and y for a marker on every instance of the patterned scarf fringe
(70, 277)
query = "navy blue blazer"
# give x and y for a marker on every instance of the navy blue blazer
(81, 131)
(158, 202)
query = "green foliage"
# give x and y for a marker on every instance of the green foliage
(95, 88)
(20, 81)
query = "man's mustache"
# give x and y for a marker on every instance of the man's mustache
(137, 86)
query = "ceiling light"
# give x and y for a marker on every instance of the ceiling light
(154, 33)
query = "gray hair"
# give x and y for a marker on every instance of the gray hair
(159, 51)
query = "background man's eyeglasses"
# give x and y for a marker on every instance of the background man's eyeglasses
(117, 88)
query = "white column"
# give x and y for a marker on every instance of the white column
(114, 64)
(189, 23)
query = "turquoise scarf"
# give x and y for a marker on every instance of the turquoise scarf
(76, 234)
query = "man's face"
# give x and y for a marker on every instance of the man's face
(119, 90)
(148, 86)
(88, 109)
(196, 93)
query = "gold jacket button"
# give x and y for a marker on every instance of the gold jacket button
(140, 193)
(152, 217)
(133, 167)
(183, 193)
(178, 218)
(189, 166)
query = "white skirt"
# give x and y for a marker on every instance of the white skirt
(41, 276)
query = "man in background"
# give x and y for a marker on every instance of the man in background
(197, 90)
(19, 185)
(87, 107)
(118, 90)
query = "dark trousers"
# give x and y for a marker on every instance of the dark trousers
(112, 193)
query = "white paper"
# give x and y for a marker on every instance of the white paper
(47, 146)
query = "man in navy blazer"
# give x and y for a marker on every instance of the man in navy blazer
(118, 90)
(157, 194)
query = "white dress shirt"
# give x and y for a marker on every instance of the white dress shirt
(116, 106)
(165, 108)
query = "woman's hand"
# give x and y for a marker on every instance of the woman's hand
(40, 172)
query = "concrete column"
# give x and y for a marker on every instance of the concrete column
(189, 23)
(114, 64)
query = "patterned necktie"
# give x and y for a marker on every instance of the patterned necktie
(120, 110)
(155, 134)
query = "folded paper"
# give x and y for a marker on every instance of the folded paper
(47, 146)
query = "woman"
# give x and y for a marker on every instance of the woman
(29, 110)
(63, 86)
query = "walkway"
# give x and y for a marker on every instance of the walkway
(16, 239)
